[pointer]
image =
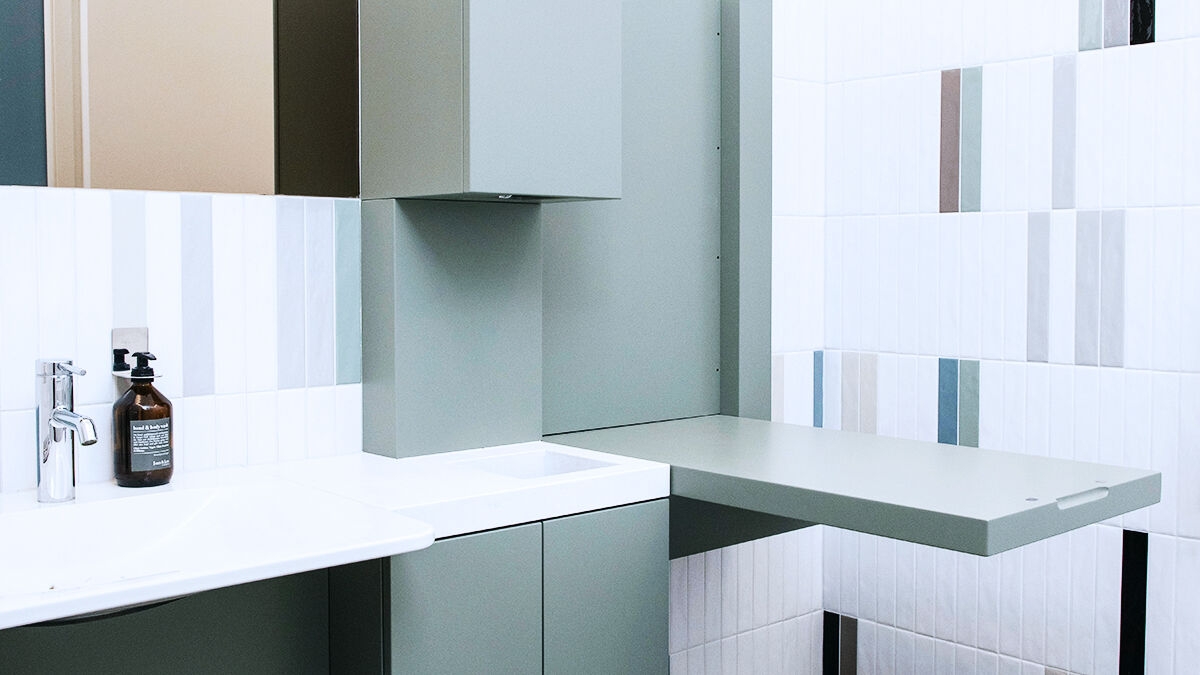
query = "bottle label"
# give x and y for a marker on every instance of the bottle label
(150, 444)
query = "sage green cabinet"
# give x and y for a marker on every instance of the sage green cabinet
(575, 595)
(490, 99)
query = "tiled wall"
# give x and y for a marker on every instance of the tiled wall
(252, 304)
(1008, 234)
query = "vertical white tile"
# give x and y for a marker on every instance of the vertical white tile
(232, 430)
(1170, 19)
(925, 597)
(849, 573)
(1011, 611)
(905, 652)
(1140, 275)
(1062, 287)
(745, 586)
(966, 599)
(1108, 602)
(906, 381)
(729, 656)
(798, 387)
(832, 390)
(775, 649)
(349, 418)
(677, 664)
(793, 577)
(885, 581)
(1187, 605)
(261, 350)
(1168, 240)
(923, 654)
(929, 117)
(907, 288)
(1014, 407)
(18, 297)
(868, 578)
(677, 631)
(1010, 666)
(1087, 414)
(1164, 442)
(927, 399)
(319, 288)
(1039, 406)
(949, 308)
(729, 591)
(1083, 599)
(1189, 289)
(1189, 457)
(197, 449)
(292, 424)
(1160, 605)
(54, 234)
(787, 153)
(988, 608)
(695, 661)
(1191, 131)
(775, 584)
(945, 622)
(1089, 129)
(991, 404)
(888, 284)
(1055, 406)
(885, 649)
(1033, 602)
(1138, 419)
(18, 459)
(887, 396)
(869, 291)
(866, 648)
(762, 659)
(971, 291)
(1059, 566)
(835, 159)
(1016, 255)
(928, 321)
(696, 591)
(1140, 166)
(908, 110)
(906, 585)
(1040, 139)
(320, 421)
(94, 296)
(994, 149)
(164, 291)
(262, 438)
(852, 283)
(229, 294)
(944, 661)
(834, 300)
(712, 658)
(1017, 136)
(1169, 122)
(831, 569)
(1116, 127)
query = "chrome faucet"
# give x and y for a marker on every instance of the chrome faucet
(58, 425)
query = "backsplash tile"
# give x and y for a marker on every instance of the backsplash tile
(143, 258)
(290, 292)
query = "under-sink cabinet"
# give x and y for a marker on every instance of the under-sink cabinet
(580, 594)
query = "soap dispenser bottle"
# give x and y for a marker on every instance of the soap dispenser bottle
(142, 435)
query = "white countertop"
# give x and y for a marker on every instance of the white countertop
(117, 547)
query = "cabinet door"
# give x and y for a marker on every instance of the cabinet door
(606, 585)
(470, 604)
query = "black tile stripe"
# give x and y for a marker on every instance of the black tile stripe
(1135, 546)
(848, 661)
(1141, 21)
(829, 646)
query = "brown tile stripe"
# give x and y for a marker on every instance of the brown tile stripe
(951, 106)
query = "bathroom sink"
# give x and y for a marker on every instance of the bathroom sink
(538, 463)
(92, 555)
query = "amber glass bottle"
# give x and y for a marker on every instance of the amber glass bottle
(143, 443)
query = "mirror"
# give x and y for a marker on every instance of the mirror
(257, 96)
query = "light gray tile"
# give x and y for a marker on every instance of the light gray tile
(1038, 288)
(1091, 24)
(971, 150)
(1116, 23)
(289, 298)
(1087, 288)
(319, 318)
(868, 386)
(128, 245)
(850, 391)
(1062, 181)
(196, 262)
(1112, 288)
(777, 391)
(348, 242)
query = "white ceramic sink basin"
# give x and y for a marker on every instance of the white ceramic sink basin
(538, 463)
(64, 560)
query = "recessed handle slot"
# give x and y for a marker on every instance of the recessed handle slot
(1081, 498)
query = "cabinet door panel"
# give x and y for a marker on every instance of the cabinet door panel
(470, 604)
(607, 579)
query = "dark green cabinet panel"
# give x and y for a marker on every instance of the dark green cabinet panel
(470, 604)
(606, 586)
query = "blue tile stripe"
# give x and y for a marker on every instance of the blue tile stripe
(818, 388)
(948, 401)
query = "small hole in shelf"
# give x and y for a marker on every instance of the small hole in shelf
(1031, 499)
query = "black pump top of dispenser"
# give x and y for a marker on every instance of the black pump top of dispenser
(143, 371)
(119, 363)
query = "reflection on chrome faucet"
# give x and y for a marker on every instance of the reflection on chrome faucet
(58, 425)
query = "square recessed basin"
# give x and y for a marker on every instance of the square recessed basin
(536, 464)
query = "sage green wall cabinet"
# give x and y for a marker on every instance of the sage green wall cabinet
(606, 591)
(570, 596)
(483, 98)
(470, 604)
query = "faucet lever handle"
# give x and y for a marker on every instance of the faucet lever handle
(65, 368)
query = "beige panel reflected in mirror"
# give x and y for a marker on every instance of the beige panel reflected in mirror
(152, 95)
